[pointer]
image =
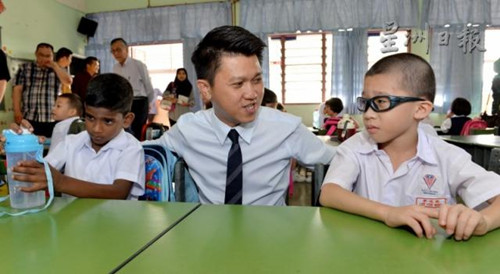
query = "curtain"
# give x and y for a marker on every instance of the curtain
(441, 12)
(264, 17)
(188, 23)
(458, 69)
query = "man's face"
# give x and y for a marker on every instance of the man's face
(44, 56)
(237, 90)
(119, 51)
(65, 61)
(93, 68)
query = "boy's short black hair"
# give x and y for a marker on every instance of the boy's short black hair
(269, 97)
(224, 40)
(74, 102)
(44, 45)
(119, 39)
(461, 106)
(335, 104)
(63, 52)
(110, 91)
(415, 74)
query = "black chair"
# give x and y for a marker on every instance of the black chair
(317, 181)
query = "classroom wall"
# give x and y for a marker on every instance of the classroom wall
(25, 23)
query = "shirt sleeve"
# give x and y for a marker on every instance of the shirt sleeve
(309, 149)
(344, 169)
(130, 167)
(446, 125)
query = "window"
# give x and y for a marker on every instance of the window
(300, 66)
(491, 42)
(375, 45)
(162, 61)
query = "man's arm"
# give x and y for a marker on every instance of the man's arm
(3, 85)
(62, 74)
(147, 84)
(16, 103)
(33, 172)
(416, 217)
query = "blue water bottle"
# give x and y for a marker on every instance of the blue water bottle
(20, 147)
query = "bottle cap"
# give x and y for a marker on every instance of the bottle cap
(20, 142)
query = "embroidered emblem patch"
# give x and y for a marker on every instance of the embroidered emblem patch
(429, 180)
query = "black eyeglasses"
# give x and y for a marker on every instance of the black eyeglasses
(383, 103)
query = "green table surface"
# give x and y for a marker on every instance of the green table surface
(82, 235)
(252, 239)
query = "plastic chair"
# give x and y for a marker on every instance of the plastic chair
(185, 189)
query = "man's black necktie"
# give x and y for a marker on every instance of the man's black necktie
(234, 176)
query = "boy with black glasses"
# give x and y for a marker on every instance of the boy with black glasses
(396, 173)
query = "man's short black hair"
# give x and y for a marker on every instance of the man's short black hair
(63, 52)
(110, 91)
(119, 39)
(90, 60)
(74, 101)
(44, 45)
(224, 40)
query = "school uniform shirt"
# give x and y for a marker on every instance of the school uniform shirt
(436, 175)
(137, 74)
(120, 158)
(60, 131)
(267, 145)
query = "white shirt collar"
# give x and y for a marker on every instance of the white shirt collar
(244, 130)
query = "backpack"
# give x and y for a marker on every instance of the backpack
(473, 124)
(157, 186)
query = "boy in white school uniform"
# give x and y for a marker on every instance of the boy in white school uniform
(102, 162)
(396, 173)
(227, 63)
(68, 108)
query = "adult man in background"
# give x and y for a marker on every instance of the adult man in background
(82, 78)
(137, 74)
(35, 90)
(64, 56)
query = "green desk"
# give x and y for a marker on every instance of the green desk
(83, 235)
(252, 239)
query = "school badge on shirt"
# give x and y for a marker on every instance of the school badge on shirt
(429, 181)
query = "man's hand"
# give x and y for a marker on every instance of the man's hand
(416, 217)
(462, 221)
(18, 117)
(33, 172)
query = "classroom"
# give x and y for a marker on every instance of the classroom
(250, 136)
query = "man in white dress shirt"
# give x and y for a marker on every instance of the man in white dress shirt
(137, 74)
(227, 63)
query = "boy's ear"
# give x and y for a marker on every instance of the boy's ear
(127, 120)
(204, 88)
(423, 110)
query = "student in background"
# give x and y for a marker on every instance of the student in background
(396, 173)
(68, 108)
(4, 74)
(180, 94)
(269, 99)
(64, 56)
(102, 162)
(82, 78)
(263, 140)
(281, 107)
(457, 117)
(333, 107)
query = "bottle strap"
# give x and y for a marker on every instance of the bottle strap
(50, 187)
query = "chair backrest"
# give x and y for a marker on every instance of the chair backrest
(319, 175)
(77, 126)
(473, 124)
(494, 164)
